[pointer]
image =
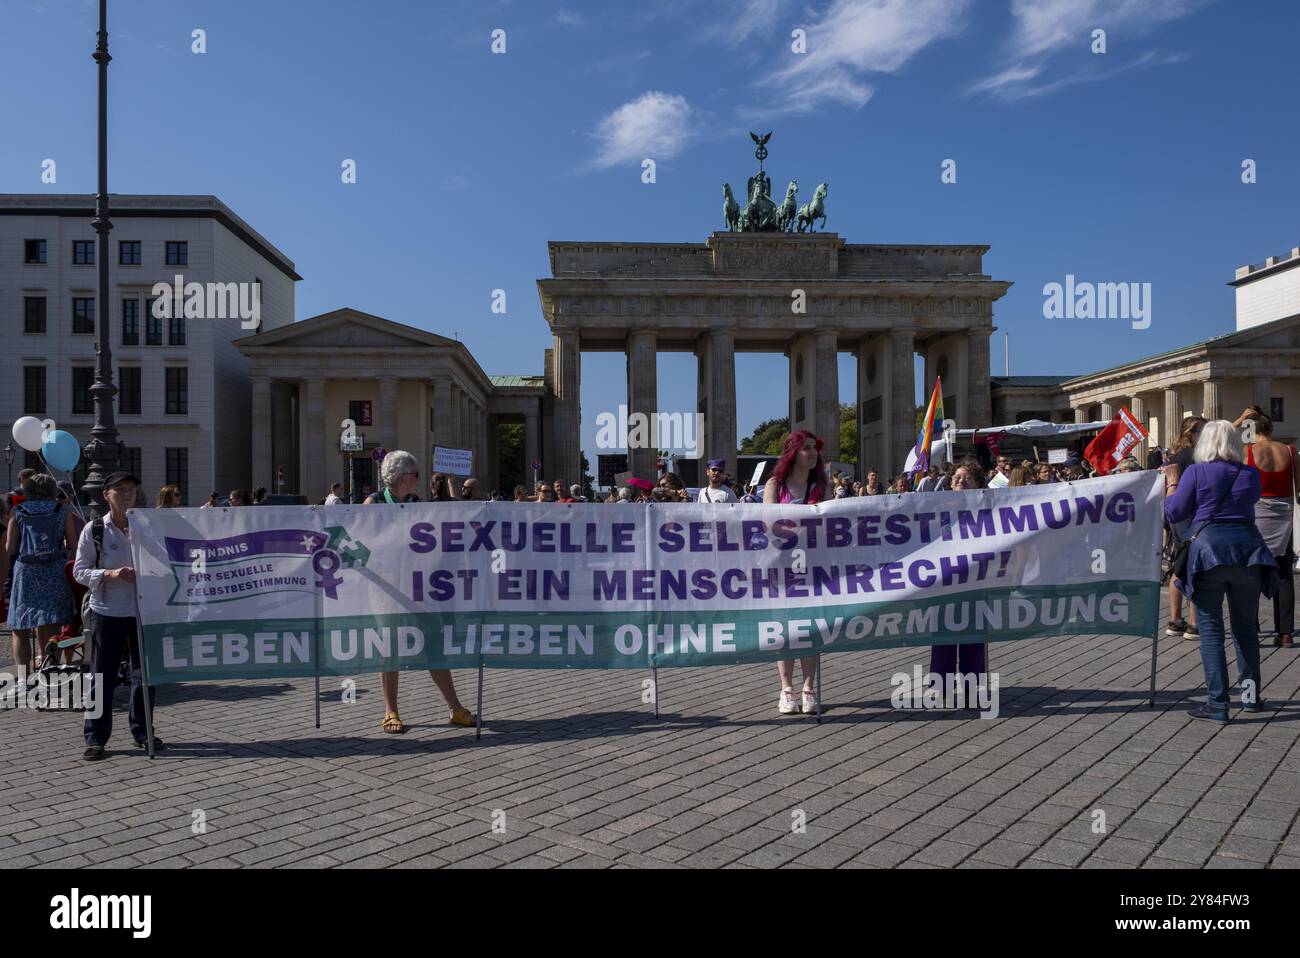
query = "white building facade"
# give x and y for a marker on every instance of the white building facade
(184, 395)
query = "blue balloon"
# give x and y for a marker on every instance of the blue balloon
(61, 450)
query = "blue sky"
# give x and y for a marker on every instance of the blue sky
(1115, 167)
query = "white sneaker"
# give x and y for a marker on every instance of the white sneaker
(788, 704)
(810, 704)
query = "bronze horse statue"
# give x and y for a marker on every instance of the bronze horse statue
(787, 211)
(809, 213)
(730, 208)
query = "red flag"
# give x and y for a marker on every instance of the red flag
(1114, 442)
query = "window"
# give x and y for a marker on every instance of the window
(33, 314)
(798, 410)
(32, 460)
(178, 470)
(131, 461)
(152, 324)
(83, 377)
(83, 314)
(1276, 409)
(83, 252)
(131, 322)
(178, 391)
(359, 411)
(33, 251)
(176, 330)
(34, 390)
(178, 253)
(128, 396)
(128, 253)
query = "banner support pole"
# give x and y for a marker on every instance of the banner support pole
(654, 686)
(478, 705)
(819, 683)
(316, 670)
(144, 682)
(1155, 645)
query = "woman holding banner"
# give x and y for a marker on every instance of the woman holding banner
(968, 658)
(1182, 454)
(798, 479)
(1227, 558)
(400, 475)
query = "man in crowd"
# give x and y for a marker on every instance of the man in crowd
(335, 498)
(716, 490)
(469, 490)
(1002, 475)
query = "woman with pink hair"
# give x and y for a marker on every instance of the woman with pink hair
(798, 479)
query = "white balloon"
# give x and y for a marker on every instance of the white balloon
(29, 433)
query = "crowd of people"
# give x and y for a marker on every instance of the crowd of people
(1228, 510)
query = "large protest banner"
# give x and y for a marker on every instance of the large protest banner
(334, 590)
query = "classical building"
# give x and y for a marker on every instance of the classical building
(183, 390)
(1258, 363)
(810, 296)
(402, 388)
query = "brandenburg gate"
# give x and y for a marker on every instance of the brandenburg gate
(771, 283)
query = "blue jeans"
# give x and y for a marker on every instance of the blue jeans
(1241, 586)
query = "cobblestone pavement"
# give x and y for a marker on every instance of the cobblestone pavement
(578, 773)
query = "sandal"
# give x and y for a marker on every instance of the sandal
(461, 716)
(392, 724)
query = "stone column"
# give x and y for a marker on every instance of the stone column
(442, 412)
(977, 345)
(532, 445)
(1107, 410)
(1080, 414)
(1210, 400)
(388, 414)
(456, 404)
(1263, 389)
(1172, 420)
(1138, 407)
(316, 480)
(826, 393)
(717, 376)
(263, 417)
(567, 436)
(641, 398)
(902, 398)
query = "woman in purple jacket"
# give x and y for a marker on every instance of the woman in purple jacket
(1227, 559)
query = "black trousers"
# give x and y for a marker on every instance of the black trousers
(1284, 601)
(111, 638)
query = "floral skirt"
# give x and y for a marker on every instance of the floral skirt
(40, 596)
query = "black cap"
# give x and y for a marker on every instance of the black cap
(115, 477)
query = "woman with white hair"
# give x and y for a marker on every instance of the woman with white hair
(1227, 558)
(399, 475)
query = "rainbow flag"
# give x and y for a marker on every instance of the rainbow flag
(918, 460)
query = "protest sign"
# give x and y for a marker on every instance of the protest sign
(293, 591)
(454, 462)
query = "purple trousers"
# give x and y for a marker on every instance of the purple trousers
(945, 659)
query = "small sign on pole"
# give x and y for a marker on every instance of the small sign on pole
(758, 474)
(454, 462)
(378, 454)
(1057, 455)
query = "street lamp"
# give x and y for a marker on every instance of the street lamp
(9, 462)
(103, 446)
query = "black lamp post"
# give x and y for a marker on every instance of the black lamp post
(9, 462)
(103, 446)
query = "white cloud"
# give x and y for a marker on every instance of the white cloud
(569, 18)
(1046, 27)
(853, 38)
(656, 125)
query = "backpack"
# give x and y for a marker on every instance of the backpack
(87, 614)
